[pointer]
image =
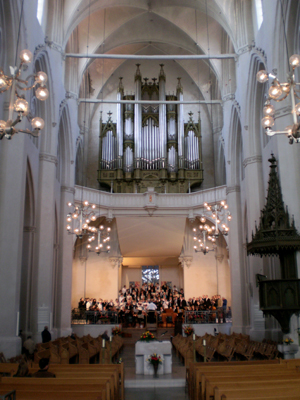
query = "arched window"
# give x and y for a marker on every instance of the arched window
(40, 10)
(259, 13)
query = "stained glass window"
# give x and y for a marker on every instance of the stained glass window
(150, 273)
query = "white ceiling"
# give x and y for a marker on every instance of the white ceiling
(150, 237)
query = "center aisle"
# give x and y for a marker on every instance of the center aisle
(132, 381)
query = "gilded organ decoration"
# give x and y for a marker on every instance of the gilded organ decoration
(150, 145)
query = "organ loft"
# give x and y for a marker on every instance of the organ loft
(150, 145)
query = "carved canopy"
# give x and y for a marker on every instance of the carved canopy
(275, 233)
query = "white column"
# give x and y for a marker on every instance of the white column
(64, 282)
(12, 193)
(43, 275)
(237, 268)
(186, 262)
(255, 195)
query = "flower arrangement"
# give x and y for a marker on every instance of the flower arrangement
(116, 331)
(147, 337)
(188, 330)
(288, 340)
(155, 359)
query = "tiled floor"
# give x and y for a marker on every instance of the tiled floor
(156, 393)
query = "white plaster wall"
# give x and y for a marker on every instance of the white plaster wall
(172, 274)
(206, 275)
(96, 277)
(130, 274)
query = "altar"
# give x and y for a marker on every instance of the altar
(144, 349)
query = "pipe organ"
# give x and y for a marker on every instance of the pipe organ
(150, 145)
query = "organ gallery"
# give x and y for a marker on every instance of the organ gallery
(150, 145)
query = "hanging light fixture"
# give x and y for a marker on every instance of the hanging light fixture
(279, 92)
(79, 219)
(220, 214)
(17, 102)
(103, 238)
(202, 236)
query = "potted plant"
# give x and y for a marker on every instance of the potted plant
(155, 360)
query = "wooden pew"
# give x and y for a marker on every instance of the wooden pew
(33, 394)
(211, 380)
(193, 374)
(238, 373)
(254, 392)
(242, 366)
(8, 368)
(82, 385)
(88, 369)
(243, 383)
(104, 374)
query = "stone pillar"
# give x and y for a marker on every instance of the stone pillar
(186, 262)
(238, 290)
(255, 195)
(12, 182)
(62, 318)
(43, 275)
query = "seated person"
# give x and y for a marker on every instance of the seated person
(23, 370)
(105, 336)
(43, 371)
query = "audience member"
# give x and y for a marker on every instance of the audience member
(29, 347)
(23, 370)
(46, 335)
(43, 371)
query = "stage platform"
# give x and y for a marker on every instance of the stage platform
(212, 329)
(200, 329)
(92, 329)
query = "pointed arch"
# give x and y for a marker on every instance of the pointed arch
(220, 164)
(256, 97)
(79, 164)
(64, 147)
(236, 147)
(44, 109)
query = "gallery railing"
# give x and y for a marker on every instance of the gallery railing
(81, 316)
(217, 316)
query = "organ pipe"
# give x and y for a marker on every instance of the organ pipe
(162, 117)
(137, 118)
(120, 95)
(180, 127)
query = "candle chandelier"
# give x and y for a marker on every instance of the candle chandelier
(102, 237)
(219, 213)
(202, 235)
(80, 221)
(17, 102)
(279, 92)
